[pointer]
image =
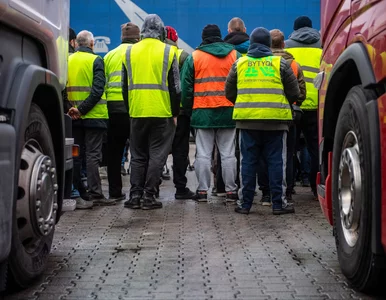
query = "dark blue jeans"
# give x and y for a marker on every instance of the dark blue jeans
(262, 171)
(270, 146)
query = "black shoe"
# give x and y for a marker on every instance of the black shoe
(288, 209)
(85, 196)
(201, 196)
(134, 202)
(149, 202)
(266, 200)
(241, 210)
(123, 171)
(102, 201)
(187, 194)
(305, 182)
(119, 198)
(232, 196)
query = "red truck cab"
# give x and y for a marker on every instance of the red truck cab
(352, 136)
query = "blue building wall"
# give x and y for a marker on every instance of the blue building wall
(104, 17)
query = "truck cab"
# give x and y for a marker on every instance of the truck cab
(35, 134)
(352, 136)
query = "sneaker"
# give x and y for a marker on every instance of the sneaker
(218, 193)
(83, 204)
(241, 210)
(103, 201)
(119, 198)
(232, 196)
(266, 200)
(68, 205)
(123, 171)
(201, 196)
(285, 209)
(305, 182)
(134, 202)
(187, 194)
(149, 202)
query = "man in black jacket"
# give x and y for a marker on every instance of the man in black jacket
(90, 117)
(262, 87)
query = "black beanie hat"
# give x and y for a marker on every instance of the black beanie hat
(71, 34)
(260, 35)
(211, 30)
(301, 22)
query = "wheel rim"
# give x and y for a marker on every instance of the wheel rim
(37, 196)
(349, 188)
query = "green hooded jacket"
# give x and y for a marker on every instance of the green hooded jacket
(204, 118)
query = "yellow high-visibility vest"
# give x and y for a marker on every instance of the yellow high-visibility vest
(80, 78)
(113, 72)
(309, 60)
(260, 91)
(148, 63)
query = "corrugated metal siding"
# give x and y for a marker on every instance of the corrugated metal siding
(104, 17)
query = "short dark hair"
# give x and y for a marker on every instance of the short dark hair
(71, 34)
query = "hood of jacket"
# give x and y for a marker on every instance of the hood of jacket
(153, 27)
(305, 35)
(281, 52)
(219, 49)
(257, 50)
(240, 40)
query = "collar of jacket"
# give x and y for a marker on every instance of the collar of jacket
(129, 41)
(236, 38)
(85, 49)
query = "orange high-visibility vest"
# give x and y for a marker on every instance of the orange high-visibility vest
(210, 73)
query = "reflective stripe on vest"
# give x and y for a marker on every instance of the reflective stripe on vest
(210, 73)
(148, 63)
(309, 61)
(80, 79)
(113, 71)
(260, 91)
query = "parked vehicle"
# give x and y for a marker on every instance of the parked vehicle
(36, 144)
(352, 135)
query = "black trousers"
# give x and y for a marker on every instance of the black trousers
(91, 139)
(309, 126)
(117, 134)
(180, 152)
(150, 143)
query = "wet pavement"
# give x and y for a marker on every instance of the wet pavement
(189, 250)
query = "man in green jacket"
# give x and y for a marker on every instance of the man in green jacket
(203, 97)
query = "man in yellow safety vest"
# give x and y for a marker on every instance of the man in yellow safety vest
(304, 45)
(85, 87)
(262, 86)
(151, 91)
(119, 121)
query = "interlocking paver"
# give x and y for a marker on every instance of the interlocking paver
(189, 250)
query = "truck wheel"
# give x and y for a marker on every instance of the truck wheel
(352, 194)
(36, 205)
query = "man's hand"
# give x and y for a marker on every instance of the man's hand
(175, 121)
(74, 113)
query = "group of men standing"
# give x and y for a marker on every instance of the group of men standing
(241, 92)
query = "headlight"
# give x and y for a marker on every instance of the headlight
(318, 80)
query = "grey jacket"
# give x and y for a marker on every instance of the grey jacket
(304, 37)
(290, 84)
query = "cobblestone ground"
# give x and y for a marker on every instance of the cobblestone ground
(189, 250)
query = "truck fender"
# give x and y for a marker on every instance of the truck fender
(26, 81)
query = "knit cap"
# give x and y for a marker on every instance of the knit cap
(129, 31)
(211, 30)
(260, 35)
(171, 33)
(301, 22)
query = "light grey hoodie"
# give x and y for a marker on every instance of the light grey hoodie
(304, 37)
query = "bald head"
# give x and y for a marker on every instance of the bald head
(277, 38)
(85, 39)
(236, 25)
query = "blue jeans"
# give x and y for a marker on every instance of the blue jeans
(271, 146)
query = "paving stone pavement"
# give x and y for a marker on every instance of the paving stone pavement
(192, 251)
